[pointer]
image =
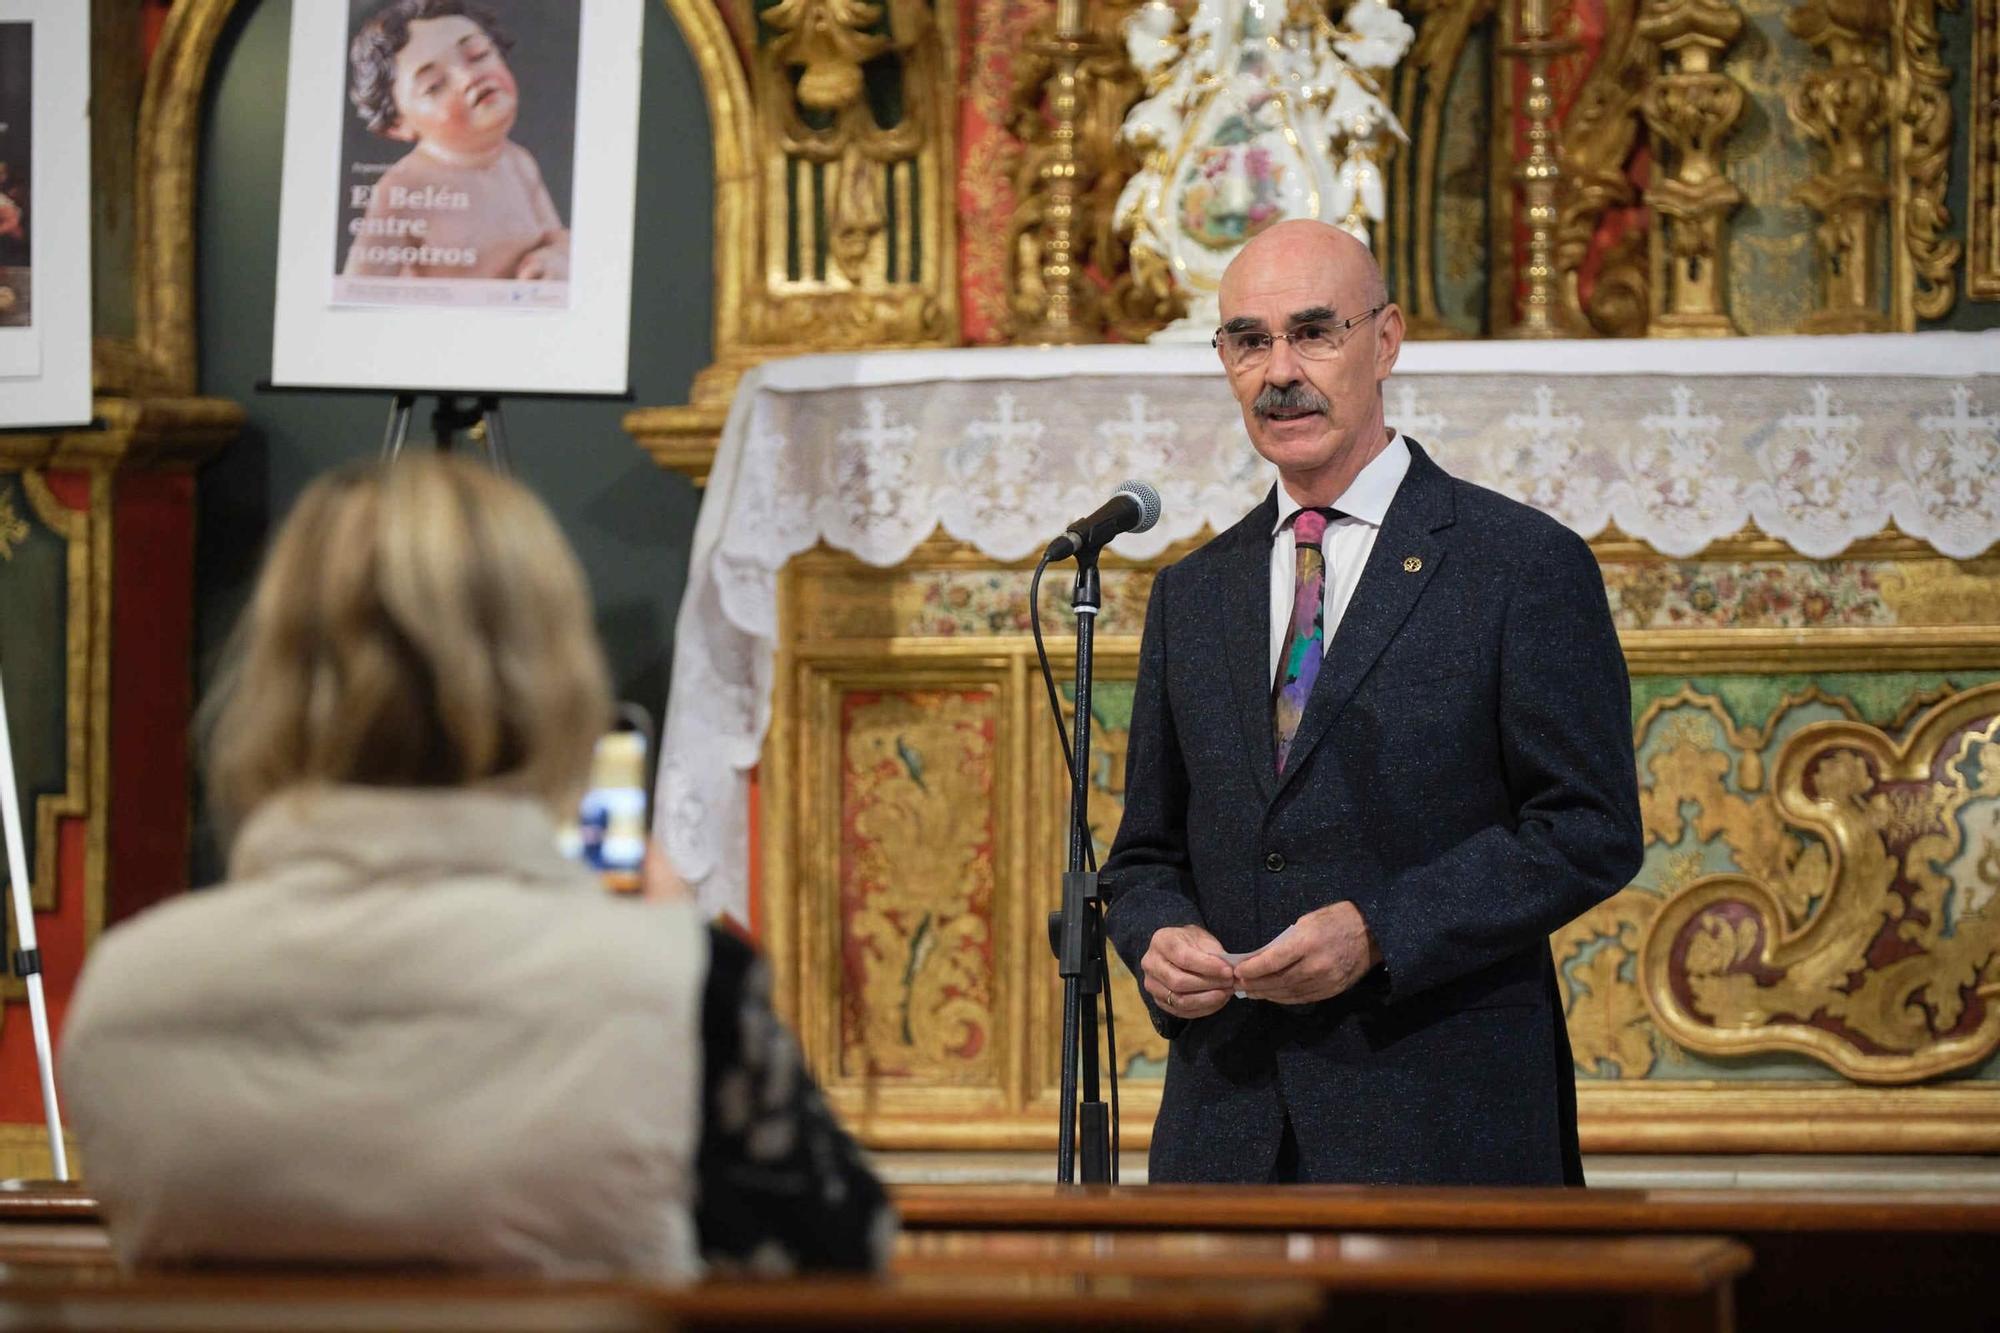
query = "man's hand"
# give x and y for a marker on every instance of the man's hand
(1185, 972)
(1322, 955)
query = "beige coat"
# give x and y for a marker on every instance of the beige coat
(405, 1031)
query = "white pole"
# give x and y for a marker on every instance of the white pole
(24, 928)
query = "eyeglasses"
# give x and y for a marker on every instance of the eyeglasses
(1314, 342)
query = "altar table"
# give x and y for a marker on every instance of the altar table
(1819, 441)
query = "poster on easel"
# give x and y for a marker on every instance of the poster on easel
(21, 345)
(44, 213)
(456, 209)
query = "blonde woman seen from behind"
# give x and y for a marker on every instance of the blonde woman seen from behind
(405, 1030)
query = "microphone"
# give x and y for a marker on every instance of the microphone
(1133, 507)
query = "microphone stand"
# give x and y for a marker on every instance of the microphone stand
(1077, 931)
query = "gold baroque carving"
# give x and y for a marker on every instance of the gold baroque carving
(1888, 972)
(1982, 277)
(1845, 106)
(1689, 108)
(1944, 592)
(1631, 1104)
(1606, 1016)
(13, 528)
(1597, 140)
(833, 175)
(769, 136)
(160, 358)
(1923, 142)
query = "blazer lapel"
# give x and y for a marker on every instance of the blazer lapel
(1247, 650)
(1401, 566)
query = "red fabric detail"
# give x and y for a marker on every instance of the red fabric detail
(152, 690)
(60, 937)
(993, 36)
(153, 19)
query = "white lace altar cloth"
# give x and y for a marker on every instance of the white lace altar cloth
(1819, 441)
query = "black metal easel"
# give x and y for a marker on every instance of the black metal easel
(478, 415)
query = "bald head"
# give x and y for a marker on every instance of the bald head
(1305, 250)
(1311, 391)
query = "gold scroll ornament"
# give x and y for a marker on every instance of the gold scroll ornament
(1689, 107)
(1889, 973)
(1845, 107)
(1982, 276)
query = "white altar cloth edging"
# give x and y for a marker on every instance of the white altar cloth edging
(1818, 440)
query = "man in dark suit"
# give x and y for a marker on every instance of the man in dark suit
(1381, 742)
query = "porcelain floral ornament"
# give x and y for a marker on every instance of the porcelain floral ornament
(1257, 111)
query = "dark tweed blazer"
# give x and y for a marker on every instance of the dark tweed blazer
(1463, 773)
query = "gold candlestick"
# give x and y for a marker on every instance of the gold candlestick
(1544, 314)
(1059, 184)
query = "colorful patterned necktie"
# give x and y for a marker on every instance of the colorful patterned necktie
(1305, 636)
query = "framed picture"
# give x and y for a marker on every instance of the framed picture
(457, 199)
(44, 212)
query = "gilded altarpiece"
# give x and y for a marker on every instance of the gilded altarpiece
(1808, 960)
(908, 173)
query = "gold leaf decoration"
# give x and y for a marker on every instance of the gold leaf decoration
(13, 528)
(1889, 974)
(1608, 1022)
(917, 885)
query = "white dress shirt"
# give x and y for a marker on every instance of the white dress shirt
(1348, 540)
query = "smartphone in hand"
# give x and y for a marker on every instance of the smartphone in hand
(611, 826)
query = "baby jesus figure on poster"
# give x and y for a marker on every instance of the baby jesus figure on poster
(466, 201)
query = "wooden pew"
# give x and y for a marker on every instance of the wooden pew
(1825, 1260)
(1011, 1278)
(57, 1273)
(1406, 1283)
(45, 1301)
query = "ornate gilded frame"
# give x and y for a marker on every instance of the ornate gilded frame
(159, 360)
(751, 296)
(86, 676)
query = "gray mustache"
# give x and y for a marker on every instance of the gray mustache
(1300, 397)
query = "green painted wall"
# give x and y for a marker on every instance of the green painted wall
(630, 521)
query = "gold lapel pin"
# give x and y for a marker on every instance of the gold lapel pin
(1412, 564)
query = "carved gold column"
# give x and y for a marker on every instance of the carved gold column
(1544, 313)
(1982, 272)
(1926, 259)
(1845, 106)
(1689, 108)
(1056, 189)
(1598, 135)
(833, 125)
